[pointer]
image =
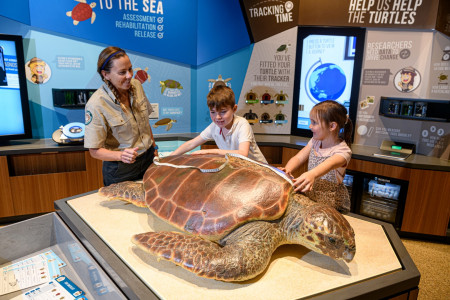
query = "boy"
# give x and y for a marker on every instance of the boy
(231, 133)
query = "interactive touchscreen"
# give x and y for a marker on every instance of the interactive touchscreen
(327, 69)
(14, 116)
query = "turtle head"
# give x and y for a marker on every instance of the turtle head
(323, 229)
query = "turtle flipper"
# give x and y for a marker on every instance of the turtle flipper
(128, 191)
(236, 261)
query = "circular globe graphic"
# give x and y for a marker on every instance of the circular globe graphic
(327, 82)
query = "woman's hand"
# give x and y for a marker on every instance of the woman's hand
(129, 155)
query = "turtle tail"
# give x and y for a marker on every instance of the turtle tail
(204, 258)
(128, 191)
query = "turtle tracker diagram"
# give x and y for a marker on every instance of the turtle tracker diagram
(265, 96)
(265, 100)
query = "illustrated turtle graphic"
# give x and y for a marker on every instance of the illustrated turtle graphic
(251, 117)
(442, 77)
(284, 48)
(165, 122)
(219, 81)
(280, 118)
(169, 84)
(82, 11)
(232, 212)
(281, 96)
(142, 75)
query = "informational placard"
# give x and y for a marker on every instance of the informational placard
(397, 65)
(267, 93)
(269, 17)
(411, 14)
(147, 26)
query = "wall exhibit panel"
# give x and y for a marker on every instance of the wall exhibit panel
(6, 203)
(427, 207)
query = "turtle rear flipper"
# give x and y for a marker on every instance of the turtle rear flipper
(240, 260)
(128, 191)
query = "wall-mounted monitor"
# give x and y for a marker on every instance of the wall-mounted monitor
(14, 111)
(328, 67)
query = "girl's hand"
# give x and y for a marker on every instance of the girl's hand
(304, 183)
(285, 171)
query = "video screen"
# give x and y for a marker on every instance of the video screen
(11, 114)
(326, 73)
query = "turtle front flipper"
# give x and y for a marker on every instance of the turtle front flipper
(128, 191)
(236, 261)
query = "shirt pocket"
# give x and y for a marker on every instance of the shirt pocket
(120, 126)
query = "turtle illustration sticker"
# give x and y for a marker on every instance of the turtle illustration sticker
(251, 117)
(219, 81)
(82, 12)
(37, 71)
(407, 80)
(280, 118)
(165, 122)
(281, 98)
(251, 98)
(170, 88)
(142, 75)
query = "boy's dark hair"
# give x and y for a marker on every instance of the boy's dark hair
(331, 111)
(220, 96)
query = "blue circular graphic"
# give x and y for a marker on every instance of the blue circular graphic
(327, 82)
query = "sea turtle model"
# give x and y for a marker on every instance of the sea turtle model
(169, 84)
(166, 121)
(234, 213)
(142, 75)
(82, 11)
(284, 48)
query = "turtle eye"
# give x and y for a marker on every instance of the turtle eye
(331, 240)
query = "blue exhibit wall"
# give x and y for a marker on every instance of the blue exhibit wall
(207, 46)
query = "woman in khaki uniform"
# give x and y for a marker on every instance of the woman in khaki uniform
(117, 125)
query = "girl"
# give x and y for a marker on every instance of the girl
(328, 154)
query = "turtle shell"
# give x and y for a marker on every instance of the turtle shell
(81, 12)
(212, 204)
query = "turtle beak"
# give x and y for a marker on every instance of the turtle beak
(349, 254)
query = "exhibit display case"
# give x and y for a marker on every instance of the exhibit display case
(382, 267)
(23, 241)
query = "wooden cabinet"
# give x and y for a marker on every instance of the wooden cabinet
(31, 182)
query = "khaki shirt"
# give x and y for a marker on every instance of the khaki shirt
(109, 127)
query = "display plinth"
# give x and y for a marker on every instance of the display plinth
(379, 268)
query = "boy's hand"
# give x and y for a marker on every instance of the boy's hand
(304, 183)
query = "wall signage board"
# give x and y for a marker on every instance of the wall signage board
(397, 65)
(267, 93)
(146, 26)
(269, 17)
(417, 14)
